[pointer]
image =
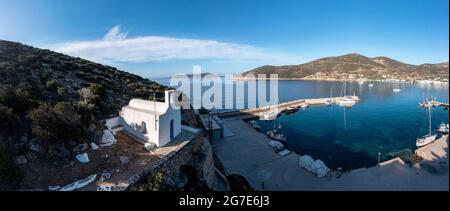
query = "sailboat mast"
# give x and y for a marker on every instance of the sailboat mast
(345, 86)
(429, 118)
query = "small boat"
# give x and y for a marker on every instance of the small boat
(273, 134)
(397, 90)
(255, 125)
(79, 184)
(370, 85)
(291, 110)
(426, 103)
(304, 106)
(429, 138)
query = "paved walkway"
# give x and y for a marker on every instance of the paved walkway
(247, 153)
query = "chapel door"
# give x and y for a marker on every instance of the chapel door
(171, 129)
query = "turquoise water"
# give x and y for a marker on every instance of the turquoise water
(382, 122)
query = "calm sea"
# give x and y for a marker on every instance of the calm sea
(382, 122)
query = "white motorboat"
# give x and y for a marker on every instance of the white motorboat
(291, 110)
(270, 115)
(304, 106)
(370, 85)
(397, 90)
(427, 103)
(429, 138)
(273, 134)
(255, 125)
(443, 128)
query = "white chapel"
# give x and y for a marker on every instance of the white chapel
(150, 122)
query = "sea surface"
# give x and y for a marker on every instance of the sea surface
(382, 122)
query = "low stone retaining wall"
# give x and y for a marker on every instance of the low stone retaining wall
(154, 177)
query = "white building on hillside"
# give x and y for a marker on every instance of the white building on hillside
(149, 121)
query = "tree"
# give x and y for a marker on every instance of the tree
(52, 85)
(9, 122)
(19, 100)
(60, 123)
(97, 89)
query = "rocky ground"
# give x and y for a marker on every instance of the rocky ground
(51, 107)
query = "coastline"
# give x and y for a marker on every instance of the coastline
(350, 80)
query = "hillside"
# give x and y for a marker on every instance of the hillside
(51, 103)
(355, 66)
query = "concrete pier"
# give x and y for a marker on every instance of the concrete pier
(284, 106)
(247, 153)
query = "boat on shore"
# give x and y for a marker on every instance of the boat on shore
(428, 138)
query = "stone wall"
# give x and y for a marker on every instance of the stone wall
(203, 161)
(155, 178)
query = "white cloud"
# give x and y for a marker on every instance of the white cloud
(117, 47)
(114, 34)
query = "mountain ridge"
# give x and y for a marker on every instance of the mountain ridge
(355, 66)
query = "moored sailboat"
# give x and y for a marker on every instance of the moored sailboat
(346, 101)
(429, 138)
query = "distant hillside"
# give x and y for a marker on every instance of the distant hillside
(356, 66)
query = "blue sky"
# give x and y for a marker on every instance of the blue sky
(159, 38)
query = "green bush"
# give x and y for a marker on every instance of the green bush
(61, 91)
(9, 122)
(9, 173)
(85, 105)
(52, 85)
(97, 89)
(60, 123)
(18, 100)
(30, 91)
